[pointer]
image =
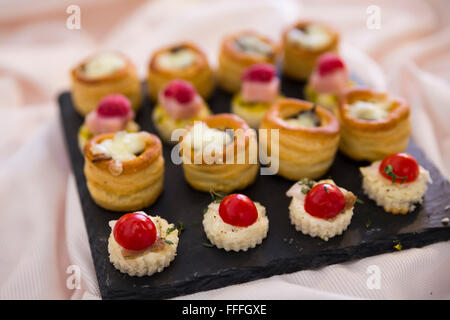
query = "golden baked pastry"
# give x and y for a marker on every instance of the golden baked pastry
(180, 61)
(220, 154)
(124, 171)
(101, 75)
(308, 138)
(240, 50)
(303, 43)
(374, 124)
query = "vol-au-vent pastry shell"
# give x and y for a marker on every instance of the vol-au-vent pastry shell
(125, 185)
(88, 88)
(304, 152)
(233, 238)
(300, 60)
(396, 198)
(386, 133)
(233, 60)
(192, 66)
(148, 261)
(220, 175)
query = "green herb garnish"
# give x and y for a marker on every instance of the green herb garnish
(368, 223)
(305, 190)
(170, 230)
(359, 201)
(207, 244)
(326, 189)
(217, 196)
(167, 241)
(390, 172)
(307, 182)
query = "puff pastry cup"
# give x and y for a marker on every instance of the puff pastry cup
(103, 74)
(308, 138)
(374, 124)
(302, 44)
(219, 173)
(240, 50)
(180, 61)
(124, 171)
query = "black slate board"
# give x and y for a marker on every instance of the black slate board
(198, 268)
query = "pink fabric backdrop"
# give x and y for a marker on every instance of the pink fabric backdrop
(42, 231)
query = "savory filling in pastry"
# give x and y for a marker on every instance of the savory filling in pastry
(303, 44)
(320, 209)
(235, 223)
(178, 57)
(260, 88)
(113, 114)
(124, 171)
(238, 52)
(141, 245)
(327, 82)
(103, 65)
(251, 44)
(305, 119)
(370, 110)
(310, 36)
(220, 153)
(374, 124)
(302, 136)
(180, 61)
(101, 75)
(179, 105)
(398, 183)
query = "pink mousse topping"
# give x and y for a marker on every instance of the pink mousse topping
(112, 114)
(180, 100)
(330, 76)
(260, 83)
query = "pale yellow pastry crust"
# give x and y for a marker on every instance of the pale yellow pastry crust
(224, 177)
(232, 61)
(87, 92)
(299, 62)
(317, 227)
(303, 152)
(396, 198)
(373, 140)
(199, 73)
(233, 238)
(148, 261)
(138, 185)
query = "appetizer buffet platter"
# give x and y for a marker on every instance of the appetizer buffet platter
(349, 183)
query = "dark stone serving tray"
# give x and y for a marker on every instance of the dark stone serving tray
(199, 268)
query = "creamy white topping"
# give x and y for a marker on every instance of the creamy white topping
(312, 36)
(371, 111)
(201, 137)
(103, 64)
(252, 44)
(176, 59)
(123, 147)
(304, 119)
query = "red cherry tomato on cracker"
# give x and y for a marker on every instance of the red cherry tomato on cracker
(238, 210)
(399, 168)
(135, 231)
(324, 201)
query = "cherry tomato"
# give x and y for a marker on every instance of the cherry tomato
(324, 201)
(238, 210)
(403, 168)
(135, 231)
